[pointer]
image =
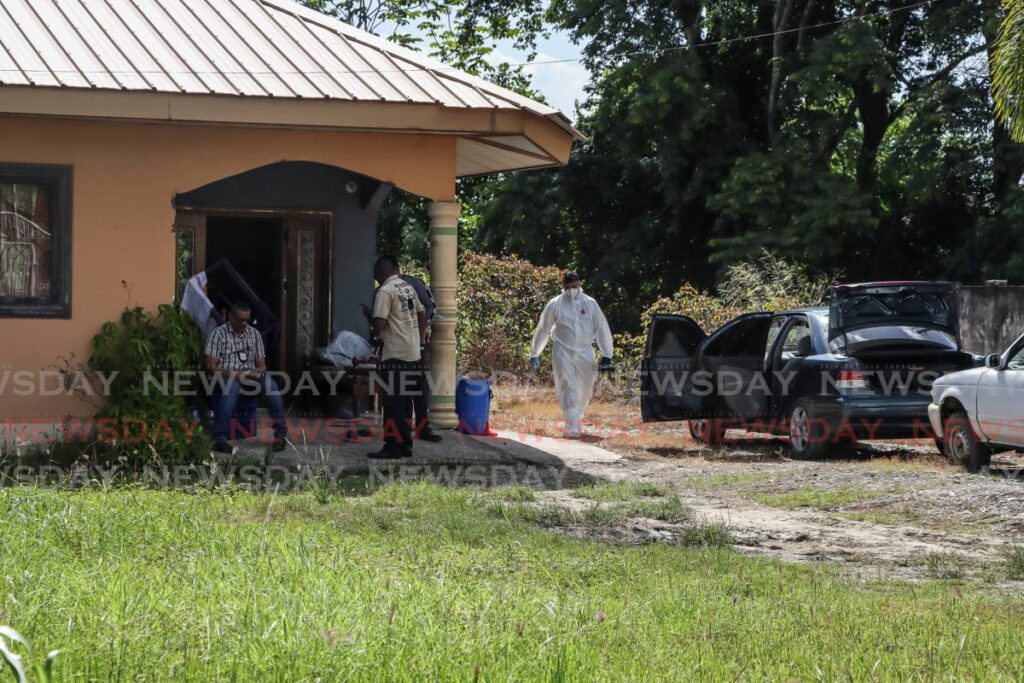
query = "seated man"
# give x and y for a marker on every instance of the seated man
(235, 355)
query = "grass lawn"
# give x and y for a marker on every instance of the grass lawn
(819, 499)
(417, 582)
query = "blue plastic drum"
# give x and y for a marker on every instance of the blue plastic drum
(473, 406)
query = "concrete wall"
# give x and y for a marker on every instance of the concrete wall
(126, 176)
(991, 318)
(311, 186)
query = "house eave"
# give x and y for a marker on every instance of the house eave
(547, 141)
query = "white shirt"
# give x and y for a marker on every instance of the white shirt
(396, 302)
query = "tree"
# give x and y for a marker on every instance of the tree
(1008, 69)
(847, 135)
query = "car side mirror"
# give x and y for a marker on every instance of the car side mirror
(995, 362)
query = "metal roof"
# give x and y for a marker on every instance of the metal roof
(247, 48)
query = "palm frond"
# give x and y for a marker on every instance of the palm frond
(1008, 70)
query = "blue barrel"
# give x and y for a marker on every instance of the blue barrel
(473, 406)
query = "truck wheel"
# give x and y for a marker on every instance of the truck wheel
(963, 446)
(807, 439)
(708, 431)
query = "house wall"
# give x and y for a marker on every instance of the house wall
(126, 177)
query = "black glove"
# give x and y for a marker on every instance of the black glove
(605, 365)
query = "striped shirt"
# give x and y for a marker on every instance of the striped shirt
(235, 351)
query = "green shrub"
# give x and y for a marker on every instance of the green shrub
(768, 283)
(500, 300)
(142, 343)
(706, 310)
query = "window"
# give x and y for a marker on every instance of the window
(35, 241)
(797, 343)
(773, 334)
(1016, 361)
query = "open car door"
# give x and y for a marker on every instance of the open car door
(667, 391)
(734, 358)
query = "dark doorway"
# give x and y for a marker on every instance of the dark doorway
(252, 245)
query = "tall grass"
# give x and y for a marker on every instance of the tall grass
(413, 582)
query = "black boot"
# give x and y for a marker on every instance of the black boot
(428, 434)
(389, 452)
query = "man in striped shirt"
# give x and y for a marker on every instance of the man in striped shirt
(235, 354)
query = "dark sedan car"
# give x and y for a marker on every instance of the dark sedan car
(861, 368)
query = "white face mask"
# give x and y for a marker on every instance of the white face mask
(574, 292)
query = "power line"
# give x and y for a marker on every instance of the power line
(758, 36)
(442, 69)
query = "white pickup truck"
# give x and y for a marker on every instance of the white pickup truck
(981, 410)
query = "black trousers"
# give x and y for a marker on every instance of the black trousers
(398, 381)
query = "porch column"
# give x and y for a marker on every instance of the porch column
(444, 221)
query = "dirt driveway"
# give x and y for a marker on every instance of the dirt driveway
(890, 508)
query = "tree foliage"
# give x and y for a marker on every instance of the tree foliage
(1008, 69)
(845, 135)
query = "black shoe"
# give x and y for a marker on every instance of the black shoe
(279, 445)
(429, 435)
(224, 447)
(387, 453)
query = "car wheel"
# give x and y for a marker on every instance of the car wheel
(807, 440)
(963, 446)
(709, 431)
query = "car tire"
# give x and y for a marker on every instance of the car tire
(707, 431)
(806, 440)
(962, 445)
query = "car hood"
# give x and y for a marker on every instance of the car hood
(924, 305)
(962, 377)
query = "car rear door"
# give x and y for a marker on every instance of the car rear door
(667, 391)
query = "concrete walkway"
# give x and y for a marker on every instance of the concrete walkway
(508, 458)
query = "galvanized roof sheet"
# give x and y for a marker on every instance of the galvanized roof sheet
(243, 48)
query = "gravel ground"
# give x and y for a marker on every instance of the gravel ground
(893, 508)
(889, 508)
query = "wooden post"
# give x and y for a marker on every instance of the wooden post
(444, 227)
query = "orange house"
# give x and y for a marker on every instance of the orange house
(141, 142)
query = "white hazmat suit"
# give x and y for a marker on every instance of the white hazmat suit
(573, 322)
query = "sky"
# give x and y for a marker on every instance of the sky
(561, 83)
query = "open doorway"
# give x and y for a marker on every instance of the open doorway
(252, 245)
(278, 261)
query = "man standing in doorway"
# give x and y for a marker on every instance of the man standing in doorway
(235, 355)
(574, 321)
(399, 321)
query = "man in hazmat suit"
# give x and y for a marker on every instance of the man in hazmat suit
(574, 321)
